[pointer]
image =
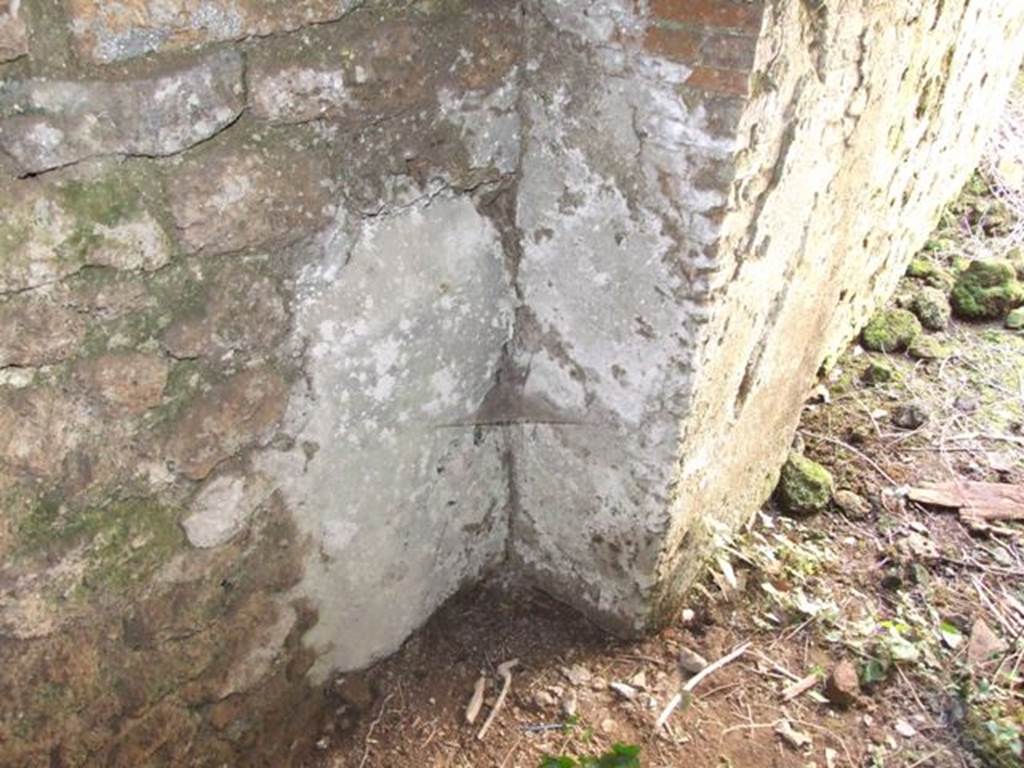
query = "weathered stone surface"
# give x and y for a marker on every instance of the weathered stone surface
(125, 384)
(120, 29)
(228, 418)
(1015, 319)
(267, 648)
(48, 123)
(38, 428)
(604, 345)
(53, 229)
(852, 504)
(13, 32)
(242, 312)
(983, 645)
(234, 198)
(374, 68)
(928, 348)
(38, 329)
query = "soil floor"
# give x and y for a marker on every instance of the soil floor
(903, 592)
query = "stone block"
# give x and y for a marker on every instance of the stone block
(54, 227)
(48, 123)
(121, 29)
(230, 198)
(13, 31)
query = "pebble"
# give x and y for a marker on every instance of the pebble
(543, 700)
(966, 403)
(690, 661)
(576, 674)
(983, 644)
(639, 680)
(843, 685)
(909, 416)
(570, 705)
(904, 729)
(623, 690)
(855, 506)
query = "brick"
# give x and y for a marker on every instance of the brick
(726, 51)
(719, 80)
(676, 44)
(711, 13)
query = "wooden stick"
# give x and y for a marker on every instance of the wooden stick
(476, 701)
(505, 670)
(369, 731)
(694, 681)
(800, 686)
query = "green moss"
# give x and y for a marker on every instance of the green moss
(935, 245)
(878, 372)
(1015, 320)
(928, 348)
(928, 271)
(932, 308)
(107, 201)
(122, 541)
(804, 487)
(891, 330)
(987, 290)
(103, 202)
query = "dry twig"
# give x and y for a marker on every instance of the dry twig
(694, 681)
(505, 671)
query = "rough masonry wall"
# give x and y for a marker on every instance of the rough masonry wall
(311, 313)
(864, 119)
(253, 290)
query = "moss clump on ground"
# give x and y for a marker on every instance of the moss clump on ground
(1015, 320)
(878, 372)
(987, 290)
(805, 487)
(929, 272)
(891, 330)
(932, 308)
(928, 348)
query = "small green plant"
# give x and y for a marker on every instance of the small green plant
(620, 756)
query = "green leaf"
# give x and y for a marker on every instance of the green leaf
(950, 634)
(558, 762)
(874, 671)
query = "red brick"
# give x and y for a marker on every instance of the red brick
(676, 44)
(720, 80)
(725, 51)
(711, 13)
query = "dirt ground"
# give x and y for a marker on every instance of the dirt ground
(902, 592)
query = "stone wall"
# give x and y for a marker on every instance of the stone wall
(313, 313)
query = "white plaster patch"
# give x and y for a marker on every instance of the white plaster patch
(406, 338)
